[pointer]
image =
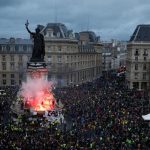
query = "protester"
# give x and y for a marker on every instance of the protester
(99, 115)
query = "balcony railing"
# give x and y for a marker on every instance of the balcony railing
(14, 52)
(145, 54)
(60, 68)
(139, 60)
(136, 54)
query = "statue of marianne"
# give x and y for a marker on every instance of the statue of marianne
(38, 52)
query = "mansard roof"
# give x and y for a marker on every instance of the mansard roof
(15, 41)
(141, 33)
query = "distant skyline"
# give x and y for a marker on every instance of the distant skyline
(109, 19)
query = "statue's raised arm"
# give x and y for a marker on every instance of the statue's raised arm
(38, 52)
(27, 24)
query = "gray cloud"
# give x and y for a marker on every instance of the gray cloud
(109, 18)
(4, 3)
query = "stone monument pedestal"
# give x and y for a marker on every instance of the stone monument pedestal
(37, 70)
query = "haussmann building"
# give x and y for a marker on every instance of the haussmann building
(138, 58)
(72, 58)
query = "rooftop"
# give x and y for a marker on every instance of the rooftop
(58, 29)
(15, 41)
(92, 36)
(141, 33)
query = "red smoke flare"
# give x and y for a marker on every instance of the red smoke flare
(38, 95)
(44, 102)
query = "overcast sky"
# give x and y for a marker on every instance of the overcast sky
(108, 18)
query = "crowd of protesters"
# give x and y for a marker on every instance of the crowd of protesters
(7, 94)
(99, 115)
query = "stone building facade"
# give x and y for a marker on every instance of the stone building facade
(14, 54)
(113, 55)
(138, 58)
(71, 58)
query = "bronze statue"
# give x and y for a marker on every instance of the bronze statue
(38, 52)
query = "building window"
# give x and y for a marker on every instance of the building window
(3, 47)
(12, 57)
(145, 52)
(136, 66)
(50, 34)
(8, 48)
(136, 75)
(49, 49)
(16, 48)
(12, 66)
(20, 82)
(136, 85)
(145, 58)
(144, 85)
(28, 58)
(4, 66)
(144, 66)
(20, 76)
(59, 77)
(59, 48)
(12, 40)
(49, 58)
(20, 66)
(12, 48)
(109, 65)
(29, 48)
(75, 65)
(59, 58)
(24, 48)
(4, 58)
(136, 58)
(58, 34)
(49, 76)
(20, 58)
(4, 75)
(4, 82)
(136, 52)
(144, 76)
(49, 64)
(12, 76)
(71, 78)
(12, 82)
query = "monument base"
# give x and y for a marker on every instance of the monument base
(37, 90)
(37, 70)
(36, 60)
